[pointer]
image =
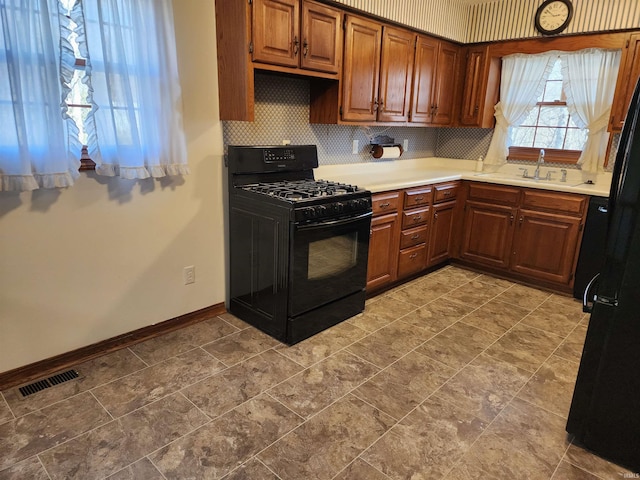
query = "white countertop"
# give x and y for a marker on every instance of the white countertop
(380, 176)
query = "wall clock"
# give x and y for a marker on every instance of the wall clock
(553, 16)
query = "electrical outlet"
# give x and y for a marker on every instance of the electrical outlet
(405, 144)
(189, 275)
(355, 148)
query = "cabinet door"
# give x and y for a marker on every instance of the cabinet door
(422, 103)
(545, 246)
(276, 32)
(627, 78)
(383, 251)
(441, 232)
(473, 91)
(412, 260)
(487, 234)
(321, 38)
(445, 84)
(361, 69)
(396, 70)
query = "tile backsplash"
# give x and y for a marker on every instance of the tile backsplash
(282, 113)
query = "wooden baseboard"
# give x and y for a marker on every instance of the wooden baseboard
(49, 366)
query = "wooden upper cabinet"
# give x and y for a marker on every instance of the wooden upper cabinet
(396, 71)
(423, 79)
(434, 81)
(361, 69)
(321, 38)
(276, 31)
(480, 89)
(281, 36)
(627, 78)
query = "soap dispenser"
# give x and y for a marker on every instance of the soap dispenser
(479, 164)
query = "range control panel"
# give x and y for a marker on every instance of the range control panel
(281, 155)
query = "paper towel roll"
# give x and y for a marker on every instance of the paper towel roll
(386, 152)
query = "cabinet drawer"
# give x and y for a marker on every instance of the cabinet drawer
(554, 201)
(415, 236)
(445, 191)
(387, 202)
(494, 193)
(412, 260)
(417, 196)
(415, 217)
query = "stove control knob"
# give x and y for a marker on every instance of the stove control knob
(320, 210)
(309, 212)
(338, 207)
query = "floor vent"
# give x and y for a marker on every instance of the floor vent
(40, 385)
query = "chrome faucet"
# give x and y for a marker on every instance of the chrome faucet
(536, 173)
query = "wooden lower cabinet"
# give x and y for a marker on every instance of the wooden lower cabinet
(383, 250)
(442, 225)
(545, 245)
(533, 235)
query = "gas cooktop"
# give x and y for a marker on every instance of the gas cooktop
(302, 189)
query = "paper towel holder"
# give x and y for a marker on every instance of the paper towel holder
(379, 143)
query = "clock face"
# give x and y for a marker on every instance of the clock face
(553, 16)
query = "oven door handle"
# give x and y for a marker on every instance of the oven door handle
(334, 223)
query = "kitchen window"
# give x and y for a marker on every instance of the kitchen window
(549, 126)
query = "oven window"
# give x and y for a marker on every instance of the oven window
(332, 256)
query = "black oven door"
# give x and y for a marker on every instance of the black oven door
(328, 262)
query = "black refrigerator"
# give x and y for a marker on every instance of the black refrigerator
(605, 409)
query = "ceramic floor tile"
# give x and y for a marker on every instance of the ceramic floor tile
(424, 444)
(241, 382)
(556, 317)
(498, 282)
(388, 344)
(474, 293)
(145, 386)
(239, 346)
(419, 294)
(111, 447)
(322, 345)
(454, 276)
(524, 441)
(328, 442)
(252, 470)
(496, 317)
(551, 387)
(566, 471)
(437, 315)
(525, 347)
(403, 385)
(360, 470)
(526, 297)
(458, 345)
(174, 343)
(141, 470)
(46, 428)
(484, 387)
(219, 447)
(463, 471)
(596, 465)
(5, 412)
(318, 386)
(571, 347)
(30, 469)
(380, 313)
(95, 372)
(235, 321)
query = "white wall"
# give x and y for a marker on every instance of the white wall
(105, 256)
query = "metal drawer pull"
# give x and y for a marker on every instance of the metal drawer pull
(447, 193)
(415, 237)
(296, 44)
(385, 205)
(417, 218)
(419, 199)
(413, 255)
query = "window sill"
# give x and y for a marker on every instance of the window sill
(551, 155)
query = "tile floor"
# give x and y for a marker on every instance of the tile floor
(455, 375)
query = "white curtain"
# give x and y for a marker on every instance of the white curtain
(33, 152)
(522, 82)
(138, 123)
(589, 80)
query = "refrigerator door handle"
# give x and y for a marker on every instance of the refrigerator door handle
(587, 305)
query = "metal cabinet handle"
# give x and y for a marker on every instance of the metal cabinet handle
(305, 48)
(435, 216)
(417, 218)
(419, 199)
(415, 236)
(511, 218)
(296, 43)
(413, 255)
(447, 193)
(384, 205)
(521, 219)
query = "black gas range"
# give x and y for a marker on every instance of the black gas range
(298, 246)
